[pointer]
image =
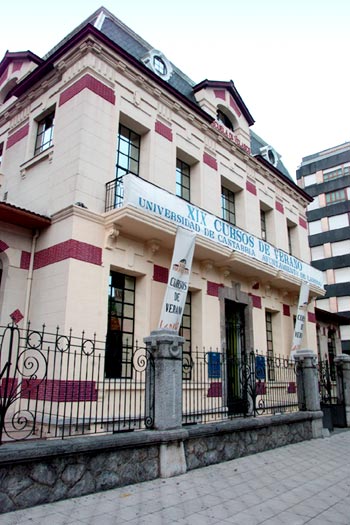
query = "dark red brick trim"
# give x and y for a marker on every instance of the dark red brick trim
(213, 288)
(4, 75)
(160, 274)
(279, 206)
(220, 93)
(3, 246)
(164, 130)
(256, 299)
(311, 317)
(59, 390)
(250, 187)
(17, 136)
(91, 83)
(70, 249)
(210, 161)
(303, 223)
(286, 310)
(234, 105)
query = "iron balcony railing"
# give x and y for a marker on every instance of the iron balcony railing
(114, 194)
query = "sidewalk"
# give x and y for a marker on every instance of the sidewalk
(304, 483)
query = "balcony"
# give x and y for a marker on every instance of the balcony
(147, 213)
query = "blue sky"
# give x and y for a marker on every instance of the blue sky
(287, 58)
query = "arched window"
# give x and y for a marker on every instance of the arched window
(224, 119)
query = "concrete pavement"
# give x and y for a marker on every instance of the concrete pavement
(307, 482)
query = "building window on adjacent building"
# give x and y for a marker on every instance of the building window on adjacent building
(44, 137)
(309, 180)
(343, 303)
(127, 159)
(186, 331)
(228, 211)
(338, 221)
(269, 346)
(335, 196)
(334, 174)
(120, 330)
(224, 119)
(263, 224)
(315, 227)
(340, 248)
(317, 253)
(183, 181)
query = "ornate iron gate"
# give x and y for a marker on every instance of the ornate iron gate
(331, 386)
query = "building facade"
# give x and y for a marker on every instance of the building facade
(107, 148)
(326, 177)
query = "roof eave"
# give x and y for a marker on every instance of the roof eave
(90, 30)
(21, 217)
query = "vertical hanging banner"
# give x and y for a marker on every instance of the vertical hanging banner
(301, 316)
(179, 276)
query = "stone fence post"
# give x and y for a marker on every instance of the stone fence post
(165, 380)
(307, 386)
(342, 363)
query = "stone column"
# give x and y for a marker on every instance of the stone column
(307, 386)
(166, 382)
(342, 362)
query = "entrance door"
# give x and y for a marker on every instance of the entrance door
(237, 400)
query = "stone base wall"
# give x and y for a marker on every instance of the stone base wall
(32, 473)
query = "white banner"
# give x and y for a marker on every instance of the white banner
(179, 276)
(301, 316)
(163, 205)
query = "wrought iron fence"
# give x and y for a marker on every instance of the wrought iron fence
(54, 385)
(216, 387)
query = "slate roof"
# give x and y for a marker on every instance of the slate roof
(137, 47)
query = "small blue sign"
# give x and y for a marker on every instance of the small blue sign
(260, 367)
(214, 365)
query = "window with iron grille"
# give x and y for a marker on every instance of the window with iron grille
(335, 196)
(185, 331)
(183, 180)
(44, 137)
(228, 212)
(269, 345)
(121, 320)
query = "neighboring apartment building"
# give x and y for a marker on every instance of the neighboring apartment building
(326, 177)
(107, 148)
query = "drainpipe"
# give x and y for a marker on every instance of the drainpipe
(30, 279)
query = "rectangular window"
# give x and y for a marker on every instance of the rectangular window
(338, 221)
(290, 231)
(186, 332)
(228, 212)
(269, 346)
(1, 151)
(335, 196)
(183, 180)
(120, 331)
(127, 159)
(263, 224)
(44, 137)
(331, 175)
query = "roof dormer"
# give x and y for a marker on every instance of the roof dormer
(13, 67)
(231, 116)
